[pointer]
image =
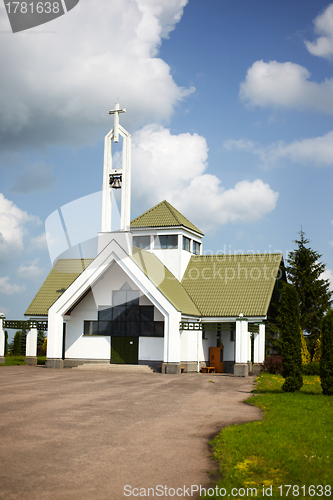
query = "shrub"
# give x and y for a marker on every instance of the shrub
(326, 360)
(311, 369)
(273, 364)
(290, 339)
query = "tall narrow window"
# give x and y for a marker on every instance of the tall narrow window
(186, 243)
(196, 248)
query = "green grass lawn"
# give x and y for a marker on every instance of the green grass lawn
(19, 360)
(292, 445)
(13, 360)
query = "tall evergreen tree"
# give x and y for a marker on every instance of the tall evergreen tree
(291, 344)
(326, 360)
(315, 297)
(17, 344)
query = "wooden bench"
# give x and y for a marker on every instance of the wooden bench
(182, 369)
(208, 369)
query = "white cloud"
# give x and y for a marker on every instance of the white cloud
(13, 229)
(38, 243)
(316, 150)
(55, 86)
(286, 85)
(35, 177)
(30, 270)
(173, 167)
(9, 289)
(323, 24)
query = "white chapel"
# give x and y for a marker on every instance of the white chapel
(151, 297)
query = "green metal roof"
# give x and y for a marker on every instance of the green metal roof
(228, 285)
(163, 215)
(212, 286)
(64, 272)
(165, 281)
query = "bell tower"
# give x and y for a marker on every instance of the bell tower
(117, 178)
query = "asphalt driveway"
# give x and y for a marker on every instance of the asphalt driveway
(79, 435)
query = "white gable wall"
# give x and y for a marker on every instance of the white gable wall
(79, 346)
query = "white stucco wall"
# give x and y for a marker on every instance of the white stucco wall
(151, 348)
(188, 345)
(229, 347)
(210, 341)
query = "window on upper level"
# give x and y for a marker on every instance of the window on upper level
(166, 241)
(196, 248)
(186, 243)
(141, 242)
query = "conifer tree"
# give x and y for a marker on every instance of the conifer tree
(291, 344)
(17, 344)
(315, 297)
(326, 360)
(317, 351)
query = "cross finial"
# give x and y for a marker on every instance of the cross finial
(116, 112)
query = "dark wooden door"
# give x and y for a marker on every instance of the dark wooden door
(124, 350)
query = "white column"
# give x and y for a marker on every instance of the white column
(2, 340)
(172, 338)
(261, 347)
(241, 341)
(125, 215)
(256, 347)
(31, 342)
(249, 346)
(54, 336)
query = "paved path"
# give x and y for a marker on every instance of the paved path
(81, 435)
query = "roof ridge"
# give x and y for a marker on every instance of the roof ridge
(149, 210)
(164, 215)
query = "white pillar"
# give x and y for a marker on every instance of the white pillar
(241, 341)
(2, 340)
(249, 347)
(31, 342)
(256, 347)
(261, 347)
(125, 173)
(172, 345)
(54, 340)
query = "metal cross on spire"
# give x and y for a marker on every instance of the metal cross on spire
(116, 112)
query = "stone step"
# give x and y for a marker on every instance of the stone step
(114, 368)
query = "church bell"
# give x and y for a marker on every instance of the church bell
(115, 181)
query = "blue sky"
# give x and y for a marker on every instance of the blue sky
(230, 107)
